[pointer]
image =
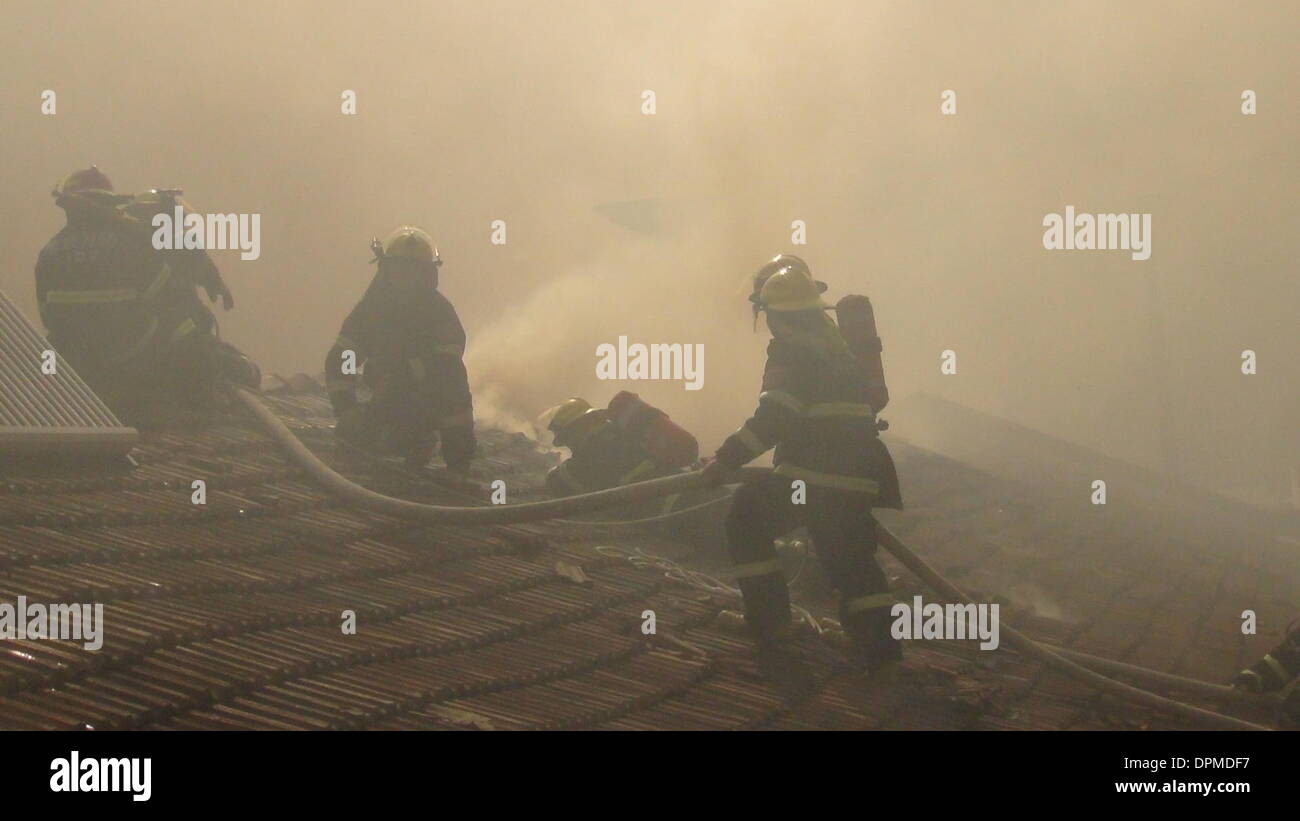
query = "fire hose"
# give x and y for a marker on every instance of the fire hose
(1073, 667)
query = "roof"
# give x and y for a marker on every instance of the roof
(45, 407)
(228, 615)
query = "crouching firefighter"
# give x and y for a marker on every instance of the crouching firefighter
(410, 341)
(631, 441)
(830, 469)
(116, 308)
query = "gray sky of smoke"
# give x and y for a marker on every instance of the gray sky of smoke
(825, 112)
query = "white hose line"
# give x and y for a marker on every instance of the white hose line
(1058, 662)
(355, 494)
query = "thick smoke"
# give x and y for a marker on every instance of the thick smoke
(620, 223)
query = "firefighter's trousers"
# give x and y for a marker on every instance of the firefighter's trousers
(843, 532)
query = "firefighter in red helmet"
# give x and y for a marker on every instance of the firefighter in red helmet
(118, 310)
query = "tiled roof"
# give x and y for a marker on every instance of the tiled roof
(228, 615)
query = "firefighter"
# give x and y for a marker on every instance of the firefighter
(115, 309)
(630, 441)
(830, 470)
(1279, 669)
(411, 342)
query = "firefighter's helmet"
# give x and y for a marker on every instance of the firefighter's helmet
(409, 242)
(788, 262)
(790, 289)
(84, 181)
(572, 418)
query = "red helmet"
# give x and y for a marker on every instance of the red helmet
(86, 180)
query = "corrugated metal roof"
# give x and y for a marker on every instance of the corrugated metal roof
(42, 411)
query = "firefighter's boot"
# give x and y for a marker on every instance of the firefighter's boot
(867, 620)
(1275, 670)
(767, 607)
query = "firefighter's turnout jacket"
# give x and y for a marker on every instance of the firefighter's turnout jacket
(411, 344)
(814, 410)
(124, 314)
(607, 457)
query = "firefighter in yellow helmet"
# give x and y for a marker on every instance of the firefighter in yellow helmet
(630, 441)
(115, 308)
(410, 341)
(633, 441)
(830, 470)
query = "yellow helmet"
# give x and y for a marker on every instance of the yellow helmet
(572, 417)
(790, 289)
(409, 242)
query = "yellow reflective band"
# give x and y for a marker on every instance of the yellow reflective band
(417, 369)
(871, 601)
(139, 345)
(750, 570)
(831, 480)
(637, 472)
(1276, 666)
(182, 330)
(841, 409)
(158, 282)
(751, 440)
(458, 419)
(449, 349)
(90, 297)
(669, 503)
(789, 400)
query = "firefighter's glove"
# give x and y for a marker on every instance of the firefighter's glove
(715, 473)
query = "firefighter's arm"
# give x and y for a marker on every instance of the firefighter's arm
(457, 425)
(560, 482)
(447, 367)
(199, 269)
(342, 364)
(778, 410)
